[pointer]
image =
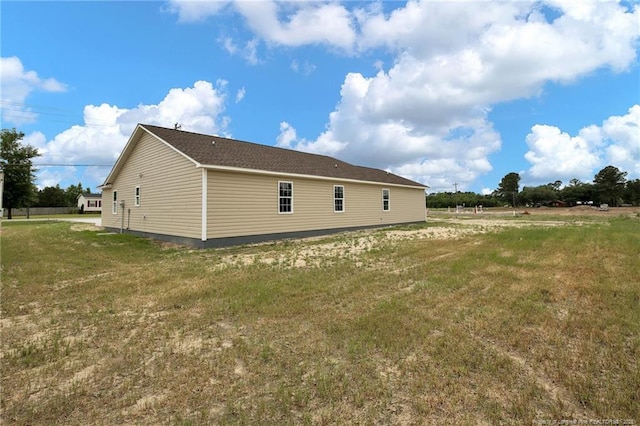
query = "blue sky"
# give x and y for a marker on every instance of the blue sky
(440, 92)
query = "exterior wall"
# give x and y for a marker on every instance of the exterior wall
(242, 204)
(170, 192)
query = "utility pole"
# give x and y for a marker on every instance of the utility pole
(1, 191)
(455, 185)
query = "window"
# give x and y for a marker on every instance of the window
(385, 200)
(115, 202)
(338, 198)
(137, 197)
(285, 197)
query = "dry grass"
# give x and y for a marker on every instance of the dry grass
(465, 321)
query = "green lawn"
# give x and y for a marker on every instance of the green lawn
(454, 323)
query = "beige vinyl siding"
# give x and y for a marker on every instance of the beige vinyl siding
(242, 204)
(170, 192)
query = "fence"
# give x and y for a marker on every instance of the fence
(36, 211)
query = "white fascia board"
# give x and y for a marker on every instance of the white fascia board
(116, 167)
(297, 175)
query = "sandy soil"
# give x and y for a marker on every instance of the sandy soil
(351, 245)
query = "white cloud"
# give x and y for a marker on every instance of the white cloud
(17, 84)
(305, 68)
(427, 116)
(304, 23)
(195, 11)
(622, 136)
(240, 94)
(36, 139)
(53, 176)
(282, 24)
(557, 155)
(249, 52)
(287, 135)
(107, 128)
(416, 144)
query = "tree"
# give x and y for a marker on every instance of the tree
(19, 174)
(538, 195)
(555, 185)
(72, 193)
(609, 183)
(632, 192)
(577, 192)
(52, 196)
(508, 187)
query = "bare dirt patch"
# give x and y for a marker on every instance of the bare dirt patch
(85, 227)
(351, 245)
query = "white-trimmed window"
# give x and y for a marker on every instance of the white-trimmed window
(338, 198)
(136, 197)
(115, 202)
(386, 200)
(285, 197)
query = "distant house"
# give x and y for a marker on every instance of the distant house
(210, 191)
(555, 203)
(90, 202)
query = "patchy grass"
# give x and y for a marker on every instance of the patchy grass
(453, 322)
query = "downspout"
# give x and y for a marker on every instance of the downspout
(203, 233)
(122, 220)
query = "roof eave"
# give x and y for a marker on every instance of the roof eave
(305, 176)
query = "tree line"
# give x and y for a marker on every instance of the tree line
(18, 175)
(610, 186)
(54, 196)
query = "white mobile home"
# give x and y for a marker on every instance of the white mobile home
(90, 203)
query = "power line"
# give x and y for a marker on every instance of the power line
(70, 165)
(54, 165)
(22, 111)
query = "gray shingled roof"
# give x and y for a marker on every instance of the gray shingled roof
(246, 155)
(89, 195)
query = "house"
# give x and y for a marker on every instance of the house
(210, 191)
(554, 203)
(90, 203)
